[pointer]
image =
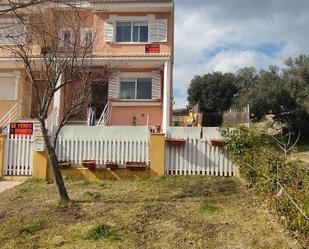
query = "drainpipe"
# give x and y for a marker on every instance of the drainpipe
(166, 96)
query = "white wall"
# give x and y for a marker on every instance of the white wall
(109, 132)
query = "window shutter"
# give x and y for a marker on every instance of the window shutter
(156, 86)
(8, 88)
(109, 31)
(60, 37)
(83, 34)
(158, 30)
(113, 87)
(62, 41)
(86, 36)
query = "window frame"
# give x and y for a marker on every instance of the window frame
(132, 32)
(135, 79)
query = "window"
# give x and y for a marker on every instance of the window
(132, 32)
(12, 33)
(136, 88)
(86, 37)
(123, 32)
(140, 32)
(66, 37)
(143, 30)
(8, 88)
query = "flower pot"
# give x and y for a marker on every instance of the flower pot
(111, 165)
(158, 128)
(217, 142)
(175, 142)
(90, 164)
(136, 166)
(64, 164)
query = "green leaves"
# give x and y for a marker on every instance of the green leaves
(263, 166)
(284, 93)
(213, 92)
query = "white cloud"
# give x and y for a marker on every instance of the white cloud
(226, 35)
(231, 61)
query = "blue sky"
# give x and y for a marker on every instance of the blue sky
(225, 35)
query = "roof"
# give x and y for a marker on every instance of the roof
(102, 1)
(129, 1)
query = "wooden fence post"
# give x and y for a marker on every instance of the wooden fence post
(157, 154)
(2, 155)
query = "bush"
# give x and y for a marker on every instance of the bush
(262, 165)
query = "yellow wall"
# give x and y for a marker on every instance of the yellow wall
(41, 169)
(2, 141)
(102, 174)
(40, 165)
(157, 152)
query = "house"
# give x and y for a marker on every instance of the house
(137, 35)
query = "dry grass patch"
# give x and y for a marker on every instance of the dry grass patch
(173, 212)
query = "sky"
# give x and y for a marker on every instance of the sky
(226, 35)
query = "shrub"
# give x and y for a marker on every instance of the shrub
(263, 166)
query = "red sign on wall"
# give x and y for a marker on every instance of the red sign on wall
(21, 128)
(152, 48)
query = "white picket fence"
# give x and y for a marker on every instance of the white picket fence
(103, 144)
(18, 156)
(196, 156)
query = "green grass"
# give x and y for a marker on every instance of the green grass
(103, 232)
(173, 212)
(31, 229)
(209, 208)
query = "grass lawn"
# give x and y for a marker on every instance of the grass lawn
(173, 212)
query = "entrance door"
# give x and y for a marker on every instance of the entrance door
(99, 94)
(34, 100)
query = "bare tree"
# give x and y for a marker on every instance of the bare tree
(10, 6)
(285, 141)
(55, 56)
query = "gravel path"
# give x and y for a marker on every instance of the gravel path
(5, 185)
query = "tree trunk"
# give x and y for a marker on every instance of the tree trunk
(53, 160)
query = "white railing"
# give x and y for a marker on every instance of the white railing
(103, 144)
(103, 121)
(196, 156)
(12, 115)
(18, 156)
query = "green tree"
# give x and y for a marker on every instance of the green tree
(268, 95)
(213, 92)
(296, 78)
(245, 79)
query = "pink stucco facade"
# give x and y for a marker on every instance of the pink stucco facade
(129, 58)
(142, 115)
(136, 62)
